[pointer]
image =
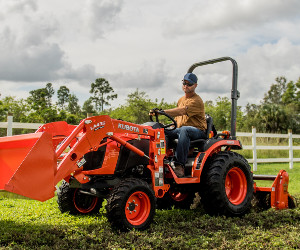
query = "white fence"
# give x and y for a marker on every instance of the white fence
(290, 147)
(9, 125)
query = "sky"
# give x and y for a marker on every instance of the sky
(148, 45)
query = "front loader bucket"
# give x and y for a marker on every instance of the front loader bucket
(27, 165)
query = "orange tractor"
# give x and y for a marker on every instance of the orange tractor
(129, 165)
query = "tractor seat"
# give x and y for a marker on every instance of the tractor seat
(200, 143)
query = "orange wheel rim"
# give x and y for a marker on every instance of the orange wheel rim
(84, 203)
(177, 196)
(137, 208)
(236, 186)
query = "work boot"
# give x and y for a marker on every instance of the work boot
(179, 171)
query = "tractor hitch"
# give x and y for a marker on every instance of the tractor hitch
(276, 196)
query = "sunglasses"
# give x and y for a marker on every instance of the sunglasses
(184, 82)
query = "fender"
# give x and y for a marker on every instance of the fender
(215, 147)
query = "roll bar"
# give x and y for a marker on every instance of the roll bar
(235, 94)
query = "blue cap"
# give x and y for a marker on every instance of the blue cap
(192, 78)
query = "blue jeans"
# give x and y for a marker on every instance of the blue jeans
(184, 135)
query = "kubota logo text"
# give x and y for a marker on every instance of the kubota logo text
(128, 127)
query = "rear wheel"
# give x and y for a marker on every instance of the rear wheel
(183, 199)
(74, 201)
(227, 185)
(131, 205)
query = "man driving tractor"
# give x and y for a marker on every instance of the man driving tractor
(191, 123)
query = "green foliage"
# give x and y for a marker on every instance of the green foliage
(40, 105)
(72, 119)
(10, 105)
(62, 96)
(278, 111)
(102, 93)
(41, 98)
(73, 106)
(88, 107)
(220, 111)
(137, 108)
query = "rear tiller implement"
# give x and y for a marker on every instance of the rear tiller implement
(130, 166)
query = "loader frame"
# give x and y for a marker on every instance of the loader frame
(85, 138)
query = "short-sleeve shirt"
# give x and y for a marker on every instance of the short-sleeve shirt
(195, 112)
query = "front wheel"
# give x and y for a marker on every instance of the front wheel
(227, 185)
(131, 205)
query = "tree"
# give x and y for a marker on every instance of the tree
(291, 102)
(73, 106)
(274, 95)
(37, 99)
(40, 101)
(88, 107)
(41, 98)
(102, 93)
(280, 107)
(136, 109)
(251, 117)
(18, 107)
(273, 116)
(298, 92)
(72, 119)
(50, 92)
(221, 113)
(62, 96)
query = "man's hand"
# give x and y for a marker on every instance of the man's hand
(153, 112)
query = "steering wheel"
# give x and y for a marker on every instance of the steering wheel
(167, 126)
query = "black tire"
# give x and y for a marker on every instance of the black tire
(131, 205)
(73, 201)
(227, 185)
(292, 202)
(181, 200)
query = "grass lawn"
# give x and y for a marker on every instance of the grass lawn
(273, 169)
(29, 224)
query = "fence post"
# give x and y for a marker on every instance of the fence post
(254, 149)
(291, 148)
(9, 124)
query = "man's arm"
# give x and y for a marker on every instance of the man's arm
(176, 111)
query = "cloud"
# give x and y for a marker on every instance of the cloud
(25, 61)
(28, 50)
(260, 65)
(230, 16)
(147, 76)
(149, 45)
(19, 6)
(101, 16)
(85, 72)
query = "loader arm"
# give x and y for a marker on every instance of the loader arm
(30, 163)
